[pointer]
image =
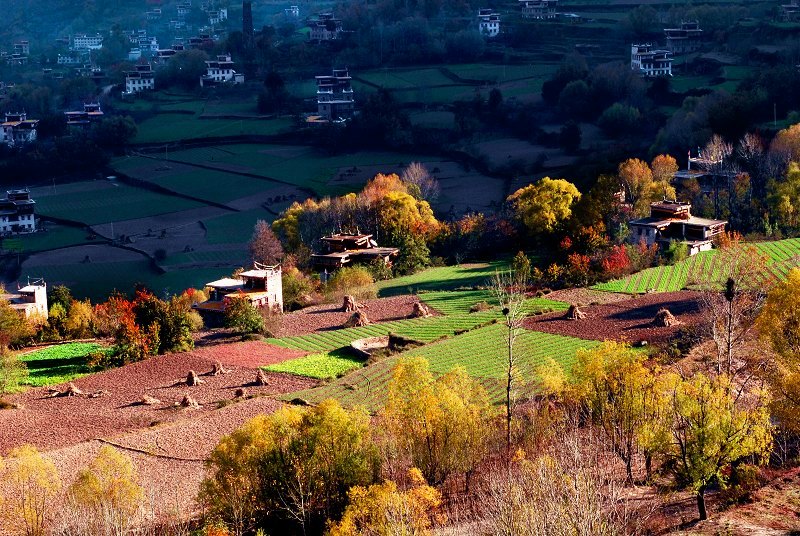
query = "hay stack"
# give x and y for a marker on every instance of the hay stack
(665, 319)
(71, 390)
(261, 378)
(357, 320)
(189, 403)
(420, 310)
(218, 369)
(574, 313)
(192, 379)
(148, 400)
(349, 305)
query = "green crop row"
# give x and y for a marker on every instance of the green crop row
(703, 268)
(58, 364)
(482, 352)
(421, 329)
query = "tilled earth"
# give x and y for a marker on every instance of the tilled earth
(167, 443)
(330, 316)
(628, 320)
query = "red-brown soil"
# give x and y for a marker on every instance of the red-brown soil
(628, 320)
(56, 422)
(330, 316)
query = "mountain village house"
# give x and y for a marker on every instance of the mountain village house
(91, 113)
(673, 220)
(83, 42)
(17, 213)
(345, 249)
(325, 27)
(488, 22)
(539, 9)
(17, 129)
(649, 61)
(261, 286)
(685, 39)
(220, 71)
(335, 96)
(30, 300)
(142, 79)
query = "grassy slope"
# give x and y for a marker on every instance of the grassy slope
(444, 278)
(58, 364)
(482, 352)
(704, 267)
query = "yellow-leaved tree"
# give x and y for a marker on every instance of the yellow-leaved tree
(779, 325)
(715, 424)
(643, 184)
(620, 395)
(292, 467)
(385, 510)
(544, 205)
(442, 425)
(107, 492)
(30, 484)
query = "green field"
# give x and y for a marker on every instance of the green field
(703, 268)
(482, 352)
(168, 127)
(217, 186)
(54, 236)
(443, 278)
(236, 228)
(455, 302)
(106, 204)
(320, 366)
(420, 329)
(58, 364)
(300, 166)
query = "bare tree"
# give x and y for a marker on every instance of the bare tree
(418, 175)
(715, 158)
(265, 248)
(730, 308)
(566, 489)
(509, 292)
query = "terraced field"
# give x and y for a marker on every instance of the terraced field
(105, 202)
(781, 255)
(421, 329)
(460, 301)
(443, 278)
(59, 363)
(481, 351)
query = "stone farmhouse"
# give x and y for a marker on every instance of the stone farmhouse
(261, 286)
(685, 39)
(220, 71)
(488, 22)
(335, 100)
(30, 300)
(345, 249)
(17, 213)
(81, 118)
(325, 27)
(672, 220)
(650, 61)
(142, 79)
(539, 9)
(17, 129)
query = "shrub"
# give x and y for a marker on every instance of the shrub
(354, 280)
(107, 494)
(297, 289)
(294, 466)
(242, 316)
(31, 483)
